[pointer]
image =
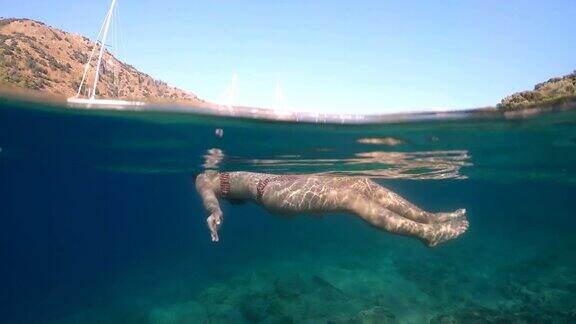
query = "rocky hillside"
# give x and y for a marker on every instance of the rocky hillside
(39, 57)
(552, 92)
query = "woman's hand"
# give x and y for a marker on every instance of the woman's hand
(214, 222)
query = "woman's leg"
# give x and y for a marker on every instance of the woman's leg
(431, 234)
(324, 194)
(396, 203)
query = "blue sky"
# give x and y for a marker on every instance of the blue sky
(344, 56)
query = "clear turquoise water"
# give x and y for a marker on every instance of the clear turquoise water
(100, 222)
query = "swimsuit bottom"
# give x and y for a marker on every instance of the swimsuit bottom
(225, 183)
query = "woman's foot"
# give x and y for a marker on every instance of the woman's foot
(445, 217)
(441, 232)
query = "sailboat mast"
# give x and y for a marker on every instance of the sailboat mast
(87, 65)
(108, 18)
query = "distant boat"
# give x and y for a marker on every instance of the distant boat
(91, 100)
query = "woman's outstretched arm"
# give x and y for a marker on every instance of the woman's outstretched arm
(205, 188)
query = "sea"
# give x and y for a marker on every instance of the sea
(100, 221)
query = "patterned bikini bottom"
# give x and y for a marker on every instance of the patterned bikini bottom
(225, 183)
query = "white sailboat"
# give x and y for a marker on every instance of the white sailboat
(92, 101)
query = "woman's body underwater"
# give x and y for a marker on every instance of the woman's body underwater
(316, 194)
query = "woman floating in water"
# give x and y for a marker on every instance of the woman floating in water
(292, 194)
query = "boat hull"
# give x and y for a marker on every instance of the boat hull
(104, 103)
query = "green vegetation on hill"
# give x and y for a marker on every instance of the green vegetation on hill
(38, 57)
(554, 92)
